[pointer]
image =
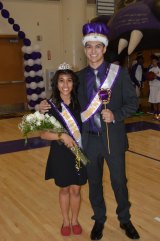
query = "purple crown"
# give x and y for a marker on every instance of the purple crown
(95, 32)
(97, 27)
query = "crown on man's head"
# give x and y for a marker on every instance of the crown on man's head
(95, 31)
(64, 66)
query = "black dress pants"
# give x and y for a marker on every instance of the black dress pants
(97, 153)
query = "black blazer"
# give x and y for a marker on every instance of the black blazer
(123, 104)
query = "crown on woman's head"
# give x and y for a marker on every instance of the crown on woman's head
(64, 66)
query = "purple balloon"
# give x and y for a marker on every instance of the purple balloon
(34, 55)
(27, 42)
(16, 27)
(29, 79)
(5, 13)
(11, 20)
(1, 5)
(32, 103)
(30, 91)
(38, 79)
(39, 91)
(21, 35)
(26, 56)
(39, 55)
(27, 68)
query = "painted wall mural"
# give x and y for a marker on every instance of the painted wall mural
(32, 64)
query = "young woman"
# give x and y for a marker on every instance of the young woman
(61, 164)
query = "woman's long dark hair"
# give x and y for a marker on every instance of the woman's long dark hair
(56, 93)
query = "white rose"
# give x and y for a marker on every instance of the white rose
(38, 115)
(38, 123)
(57, 124)
(47, 116)
(52, 120)
(30, 117)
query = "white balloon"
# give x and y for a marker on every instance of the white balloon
(29, 50)
(39, 73)
(43, 95)
(23, 49)
(40, 84)
(27, 85)
(38, 61)
(33, 85)
(34, 97)
(32, 73)
(30, 62)
(26, 74)
(25, 62)
(30, 108)
(28, 97)
(36, 107)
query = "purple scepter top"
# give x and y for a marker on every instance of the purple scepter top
(105, 96)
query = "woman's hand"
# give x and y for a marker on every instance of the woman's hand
(68, 140)
(44, 106)
(107, 115)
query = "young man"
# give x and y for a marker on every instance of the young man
(103, 130)
(137, 77)
(154, 85)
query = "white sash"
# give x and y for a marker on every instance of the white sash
(70, 122)
(95, 103)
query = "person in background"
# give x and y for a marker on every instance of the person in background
(137, 77)
(103, 130)
(154, 85)
(61, 163)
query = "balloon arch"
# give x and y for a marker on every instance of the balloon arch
(32, 64)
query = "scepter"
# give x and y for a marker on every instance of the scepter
(105, 96)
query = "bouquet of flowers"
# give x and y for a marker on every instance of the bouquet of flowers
(44, 122)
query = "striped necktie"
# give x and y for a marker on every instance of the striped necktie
(96, 85)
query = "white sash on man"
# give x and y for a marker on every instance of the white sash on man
(95, 103)
(70, 123)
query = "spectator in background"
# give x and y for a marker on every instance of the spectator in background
(137, 77)
(154, 85)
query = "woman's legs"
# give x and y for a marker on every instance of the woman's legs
(75, 199)
(69, 197)
(64, 200)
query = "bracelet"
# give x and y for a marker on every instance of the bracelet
(59, 136)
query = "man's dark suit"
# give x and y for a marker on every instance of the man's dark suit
(123, 104)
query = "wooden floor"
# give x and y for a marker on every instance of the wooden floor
(29, 208)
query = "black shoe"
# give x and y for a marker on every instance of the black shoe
(97, 231)
(130, 230)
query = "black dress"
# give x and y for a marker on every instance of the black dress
(61, 161)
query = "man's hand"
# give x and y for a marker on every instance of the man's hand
(44, 106)
(107, 115)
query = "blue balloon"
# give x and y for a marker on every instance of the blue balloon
(29, 79)
(16, 27)
(27, 68)
(31, 91)
(38, 79)
(38, 91)
(1, 5)
(21, 35)
(11, 20)
(26, 56)
(5, 13)
(27, 42)
(32, 103)
(39, 55)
